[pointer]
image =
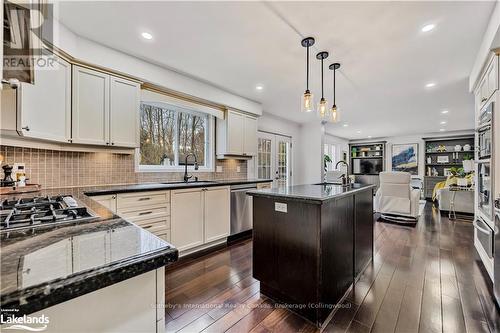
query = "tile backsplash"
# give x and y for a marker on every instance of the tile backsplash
(53, 168)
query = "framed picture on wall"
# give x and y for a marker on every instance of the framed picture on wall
(405, 157)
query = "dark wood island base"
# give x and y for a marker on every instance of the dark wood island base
(310, 242)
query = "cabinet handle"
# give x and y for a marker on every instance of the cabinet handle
(484, 99)
(145, 213)
(70, 140)
(26, 128)
(143, 199)
(113, 197)
(147, 227)
(107, 143)
(112, 143)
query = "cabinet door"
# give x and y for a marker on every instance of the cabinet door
(483, 88)
(108, 201)
(492, 77)
(250, 138)
(186, 218)
(45, 107)
(217, 213)
(235, 133)
(90, 106)
(363, 230)
(124, 112)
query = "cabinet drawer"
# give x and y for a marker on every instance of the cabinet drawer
(147, 212)
(156, 229)
(164, 235)
(128, 200)
(156, 220)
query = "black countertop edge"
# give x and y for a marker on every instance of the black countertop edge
(273, 194)
(42, 296)
(114, 189)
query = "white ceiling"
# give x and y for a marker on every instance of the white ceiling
(386, 58)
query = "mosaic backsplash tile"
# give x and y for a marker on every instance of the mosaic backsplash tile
(53, 168)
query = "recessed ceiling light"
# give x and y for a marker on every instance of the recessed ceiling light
(359, 132)
(147, 35)
(259, 87)
(345, 125)
(445, 111)
(369, 136)
(442, 130)
(428, 27)
(430, 85)
(443, 122)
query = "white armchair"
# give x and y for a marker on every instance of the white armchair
(395, 199)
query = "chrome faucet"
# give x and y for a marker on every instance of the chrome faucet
(345, 177)
(186, 177)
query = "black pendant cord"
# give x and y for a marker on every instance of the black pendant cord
(334, 71)
(322, 89)
(307, 70)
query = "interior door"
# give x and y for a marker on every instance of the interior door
(274, 158)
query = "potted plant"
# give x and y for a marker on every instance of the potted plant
(460, 174)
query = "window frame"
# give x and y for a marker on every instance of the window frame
(209, 144)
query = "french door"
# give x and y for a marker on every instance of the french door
(274, 158)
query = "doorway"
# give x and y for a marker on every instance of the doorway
(274, 158)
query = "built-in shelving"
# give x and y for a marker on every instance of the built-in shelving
(367, 160)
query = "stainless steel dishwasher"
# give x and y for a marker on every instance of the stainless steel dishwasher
(241, 208)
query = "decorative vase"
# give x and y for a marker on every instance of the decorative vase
(458, 148)
(467, 147)
(462, 181)
(468, 165)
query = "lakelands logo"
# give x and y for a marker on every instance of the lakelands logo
(33, 324)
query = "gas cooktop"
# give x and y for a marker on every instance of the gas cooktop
(37, 211)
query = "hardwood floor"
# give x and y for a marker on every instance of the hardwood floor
(422, 279)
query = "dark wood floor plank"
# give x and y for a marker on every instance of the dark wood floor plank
(426, 278)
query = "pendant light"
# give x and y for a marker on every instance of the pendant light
(334, 113)
(323, 111)
(308, 98)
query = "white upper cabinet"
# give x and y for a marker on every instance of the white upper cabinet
(489, 82)
(90, 106)
(250, 139)
(41, 110)
(105, 109)
(236, 135)
(124, 113)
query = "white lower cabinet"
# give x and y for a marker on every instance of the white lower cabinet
(217, 213)
(199, 216)
(187, 218)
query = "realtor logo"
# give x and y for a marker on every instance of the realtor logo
(28, 31)
(32, 324)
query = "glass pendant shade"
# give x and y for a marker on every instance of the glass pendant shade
(335, 116)
(307, 102)
(323, 111)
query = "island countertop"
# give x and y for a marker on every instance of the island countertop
(311, 193)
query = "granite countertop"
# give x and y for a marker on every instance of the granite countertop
(47, 265)
(311, 193)
(113, 189)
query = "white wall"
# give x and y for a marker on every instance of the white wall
(341, 143)
(416, 138)
(310, 163)
(98, 54)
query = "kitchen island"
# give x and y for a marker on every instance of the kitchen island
(309, 244)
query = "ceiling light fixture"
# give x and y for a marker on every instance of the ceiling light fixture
(430, 85)
(323, 111)
(445, 111)
(442, 130)
(369, 136)
(428, 27)
(259, 87)
(443, 122)
(147, 35)
(307, 98)
(334, 112)
(359, 132)
(345, 125)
